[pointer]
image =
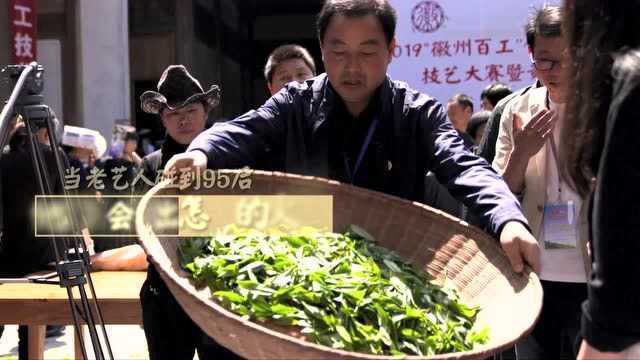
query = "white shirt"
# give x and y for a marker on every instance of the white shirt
(564, 265)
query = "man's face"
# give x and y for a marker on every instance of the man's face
(288, 71)
(553, 49)
(130, 146)
(185, 123)
(84, 155)
(356, 56)
(486, 104)
(459, 115)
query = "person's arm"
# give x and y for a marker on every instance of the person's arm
(239, 142)
(471, 179)
(611, 315)
(504, 141)
(126, 258)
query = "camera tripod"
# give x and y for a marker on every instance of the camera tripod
(71, 255)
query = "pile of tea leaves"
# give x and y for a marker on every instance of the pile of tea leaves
(340, 290)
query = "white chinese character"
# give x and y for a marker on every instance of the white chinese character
(189, 178)
(23, 44)
(117, 175)
(95, 178)
(23, 10)
(72, 178)
(120, 217)
(196, 218)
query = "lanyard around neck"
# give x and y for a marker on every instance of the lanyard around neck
(363, 151)
(554, 152)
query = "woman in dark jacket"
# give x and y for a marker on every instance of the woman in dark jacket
(601, 157)
(182, 105)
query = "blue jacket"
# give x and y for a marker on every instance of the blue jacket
(413, 131)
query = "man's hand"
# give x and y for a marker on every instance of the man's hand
(193, 160)
(520, 246)
(588, 352)
(17, 124)
(528, 140)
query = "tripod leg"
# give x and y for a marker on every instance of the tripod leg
(77, 346)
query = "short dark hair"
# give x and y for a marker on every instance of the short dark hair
(385, 13)
(284, 53)
(495, 92)
(545, 22)
(131, 135)
(464, 100)
(477, 119)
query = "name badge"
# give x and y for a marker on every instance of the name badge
(560, 225)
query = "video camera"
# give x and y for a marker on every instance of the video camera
(34, 83)
(30, 103)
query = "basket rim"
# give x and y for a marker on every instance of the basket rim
(469, 229)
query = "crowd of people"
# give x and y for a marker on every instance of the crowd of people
(546, 169)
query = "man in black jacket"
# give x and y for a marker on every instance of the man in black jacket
(354, 124)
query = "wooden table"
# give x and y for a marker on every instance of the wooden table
(38, 305)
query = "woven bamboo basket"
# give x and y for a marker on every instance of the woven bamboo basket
(429, 239)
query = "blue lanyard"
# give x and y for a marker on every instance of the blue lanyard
(554, 152)
(363, 150)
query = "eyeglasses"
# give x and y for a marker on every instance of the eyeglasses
(546, 65)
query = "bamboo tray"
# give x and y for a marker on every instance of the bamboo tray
(442, 245)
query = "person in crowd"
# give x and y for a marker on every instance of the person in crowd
(83, 147)
(81, 156)
(460, 109)
(21, 253)
(599, 150)
(493, 93)
(182, 106)
(527, 158)
(15, 125)
(288, 63)
(285, 64)
(477, 124)
(130, 146)
(356, 125)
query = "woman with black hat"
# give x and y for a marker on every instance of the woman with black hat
(183, 106)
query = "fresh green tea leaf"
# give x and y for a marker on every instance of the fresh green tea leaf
(340, 290)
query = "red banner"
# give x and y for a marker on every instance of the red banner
(22, 20)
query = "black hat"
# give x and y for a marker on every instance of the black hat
(177, 88)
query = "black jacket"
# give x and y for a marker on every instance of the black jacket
(413, 136)
(21, 252)
(611, 320)
(151, 165)
(156, 161)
